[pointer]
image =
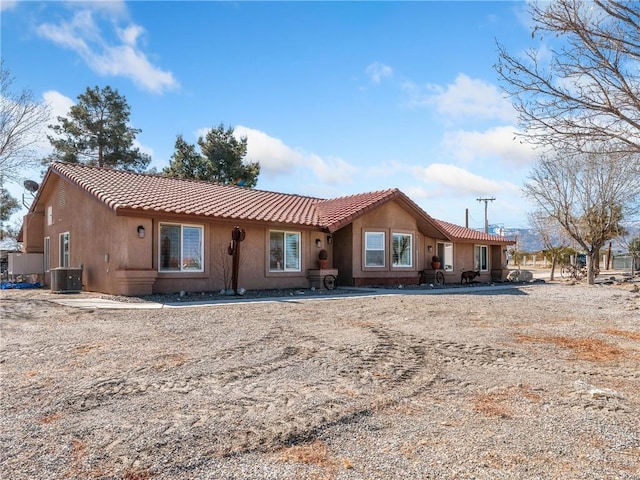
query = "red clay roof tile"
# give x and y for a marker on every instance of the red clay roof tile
(457, 232)
(122, 190)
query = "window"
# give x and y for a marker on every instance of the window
(49, 215)
(65, 250)
(284, 251)
(46, 258)
(445, 252)
(402, 249)
(481, 258)
(181, 248)
(374, 249)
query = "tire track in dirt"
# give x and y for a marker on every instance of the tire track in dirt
(250, 410)
(286, 387)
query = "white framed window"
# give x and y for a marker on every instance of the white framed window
(181, 248)
(445, 253)
(46, 258)
(65, 250)
(402, 250)
(374, 251)
(284, 251)
(481, 258)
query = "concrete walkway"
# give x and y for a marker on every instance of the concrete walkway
(541, 277)
(101, 303)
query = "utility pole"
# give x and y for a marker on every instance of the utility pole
(486, 218)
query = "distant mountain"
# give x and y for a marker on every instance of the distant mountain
(529, 241)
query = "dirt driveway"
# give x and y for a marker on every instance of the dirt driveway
(535, 382)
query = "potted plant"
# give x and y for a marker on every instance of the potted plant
(435, 262)
(323, 259)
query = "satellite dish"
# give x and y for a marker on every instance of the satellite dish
(31, 186)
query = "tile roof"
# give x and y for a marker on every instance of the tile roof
(124, 191)
(338, 212)
(130, 191)
(459, 233)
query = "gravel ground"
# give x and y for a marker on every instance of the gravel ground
(539, 381)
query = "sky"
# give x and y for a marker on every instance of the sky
(335, 98)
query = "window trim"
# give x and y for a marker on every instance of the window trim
(394, 263)
(64, 258)
(383, 249)
(181, 268)
(480, 248)
(46, 258)
(284, 268)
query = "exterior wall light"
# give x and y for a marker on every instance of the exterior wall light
(140, 231)
(329, 239)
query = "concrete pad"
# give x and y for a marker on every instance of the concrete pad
(100, 303)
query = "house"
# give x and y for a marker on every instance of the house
(138, 234)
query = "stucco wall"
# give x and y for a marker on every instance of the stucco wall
(117, 259)
(464, 259)
(254, 261)
(389, 218)
(100, 241)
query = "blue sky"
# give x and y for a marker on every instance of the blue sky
(335, 98)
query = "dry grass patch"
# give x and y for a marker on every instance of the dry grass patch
(47, 419)
(314, 453)
(170, 360)
(136, 475)
(492, 404)
(84, 349)
(584, 348)
(362, 323)
(347, 392)
(78, 453)
(623, 333)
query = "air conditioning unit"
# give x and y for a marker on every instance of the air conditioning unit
(66, 280)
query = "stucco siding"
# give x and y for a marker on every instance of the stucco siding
(389, 218)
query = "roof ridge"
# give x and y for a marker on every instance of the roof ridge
(361, 194)
(190, 180)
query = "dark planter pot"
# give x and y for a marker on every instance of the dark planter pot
(323, 264)
(435, 265)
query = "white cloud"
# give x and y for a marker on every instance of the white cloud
(58, 106)
(497, 142)
(130, 34)
(332, 170)
(278, 159)
(7, 4)
(419, 192)
(58, 103)
(274, 156)
(376, 71)
(464, 98)
(453, 177)
(82, 35)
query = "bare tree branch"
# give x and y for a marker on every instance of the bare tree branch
(20, 119)
(589, 92)
(587, 194)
